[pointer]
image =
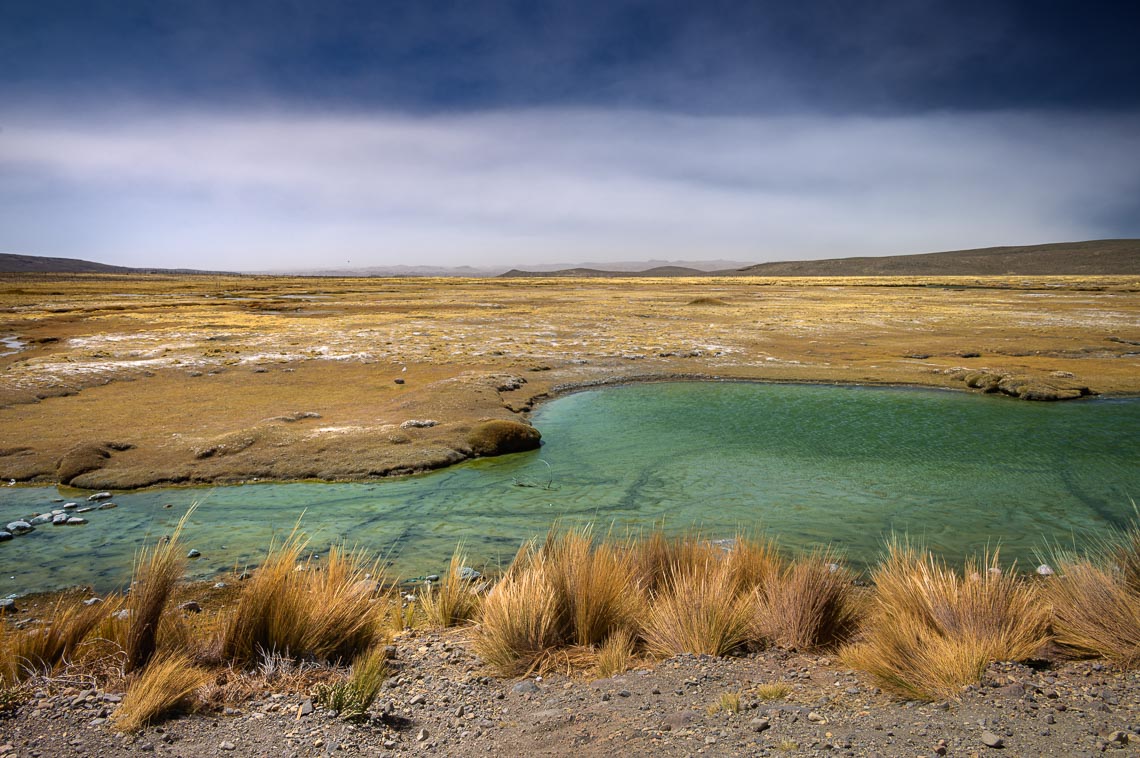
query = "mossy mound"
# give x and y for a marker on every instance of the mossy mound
(502, 436)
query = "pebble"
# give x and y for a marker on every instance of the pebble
(190, 606)
(76, 521)
(5, 535)
(98, 496)
(760, 725)
(8, 605)
(418, 700)
(421, 735)
(989, 739)
(194, 554)
(59, 520)
(227, 745)
(525, 687)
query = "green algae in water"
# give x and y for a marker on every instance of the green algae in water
(808, 465)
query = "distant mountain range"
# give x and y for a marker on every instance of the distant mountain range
(1093, 257)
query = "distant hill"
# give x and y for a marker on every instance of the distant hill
(34, 264)
(595, 272)
(1094, 257)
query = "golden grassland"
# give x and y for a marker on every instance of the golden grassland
(585, 605)
(129, 381)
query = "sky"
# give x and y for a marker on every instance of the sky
(266, 135)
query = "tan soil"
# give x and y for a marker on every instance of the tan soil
(129, 381)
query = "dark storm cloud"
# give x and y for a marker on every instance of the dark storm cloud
(251, 134)
(853, 56)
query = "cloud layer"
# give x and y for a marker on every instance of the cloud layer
(288, 188)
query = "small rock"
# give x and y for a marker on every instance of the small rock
(398, 380)
(190, 606)
(417, 423)
(70, 506)
(1049, 718)
(98, 496)
(418, 700)
(989, 739)
(817, 718)
(19, 527)
(92, 601)
(1045, 570)
(1118, 738)
(111, 697)
(525, 687)
(5, 535)
(86, 509)
(305, 708)
(760, 725)
(43, 518)
(421, 735)
(194, 554)
(108, 506)
(76, 521)
(227, 745)
(468, 574)
(8, 605)
(60, 519)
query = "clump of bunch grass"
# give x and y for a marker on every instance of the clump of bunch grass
(454, 601)
(167, 683)
(304, 610)
(615, 655)
(594, 586)
(772, 691)
(729, 702)
(518, 623)
(811, 604)
(42, 650)
(931, 630)
(1096, 601)
(352, 698)
(157, 569)
(700, 610)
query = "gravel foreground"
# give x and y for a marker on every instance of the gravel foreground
(439, 700)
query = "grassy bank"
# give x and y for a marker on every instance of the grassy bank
(581, 603)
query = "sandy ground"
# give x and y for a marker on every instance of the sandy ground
(122, 382)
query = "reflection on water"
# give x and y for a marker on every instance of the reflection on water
(11, 345)
(809, 465)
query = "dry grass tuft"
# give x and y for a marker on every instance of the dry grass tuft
(772, 691)
(454, 601)
(615, 655)
(699, 612)
(166, 684)
(352, 699)
(304, 610)
(729, 702)
(811, 604)
(157, 569)
(594, 586)
(519, 621)
(931, 630)
(1096, 602)
(40, 651)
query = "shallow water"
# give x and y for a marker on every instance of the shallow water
(808, 465)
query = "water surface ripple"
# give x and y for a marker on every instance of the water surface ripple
(809, 465)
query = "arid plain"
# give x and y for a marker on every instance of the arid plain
(129, 381)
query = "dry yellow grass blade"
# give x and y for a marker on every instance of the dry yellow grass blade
(811, 604)
(167, 683)
(157, 569)
(454, 601)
